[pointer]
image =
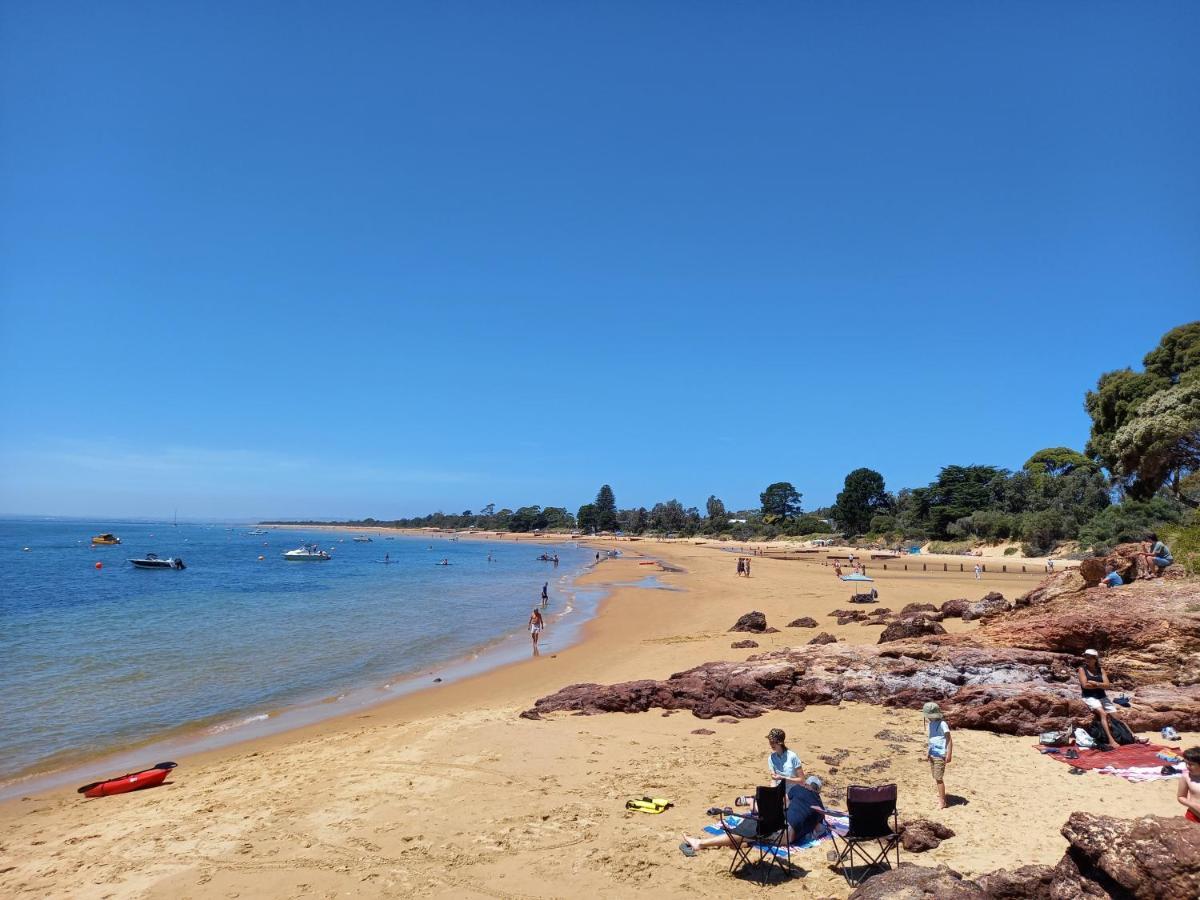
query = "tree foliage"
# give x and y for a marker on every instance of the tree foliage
(1145, 424)
(606, 509)
(862, 497)
(780, 502)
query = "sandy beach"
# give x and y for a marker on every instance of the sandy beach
(448, 792)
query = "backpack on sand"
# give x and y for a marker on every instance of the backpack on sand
(1120, 732)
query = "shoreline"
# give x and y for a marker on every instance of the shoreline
(231, 729)
(363, 803)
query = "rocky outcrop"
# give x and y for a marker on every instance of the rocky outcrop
(1124, 559)
(919, 835)
(989, 605)
(910, 627)
(1059, 585)
(954, 608)
(743, 645)
(846, 616)
(754, 622)
(823, 638)
(918, 607)
(803, 622)
(1150, 858)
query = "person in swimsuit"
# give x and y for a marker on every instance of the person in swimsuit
(545, 594)
(536, 624)
(1189, 785)
(1092, 682)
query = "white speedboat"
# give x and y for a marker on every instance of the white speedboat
(362, 539)
(151, 561)
(307, 553)
(258, 531)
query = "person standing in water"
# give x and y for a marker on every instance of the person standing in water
(545, 594)
(536, 625)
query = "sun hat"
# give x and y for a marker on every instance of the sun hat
(1090, 653)
(931, 710)
(814, 782)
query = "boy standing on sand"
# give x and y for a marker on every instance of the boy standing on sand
(940, 746)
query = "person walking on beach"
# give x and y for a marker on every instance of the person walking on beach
(741, 566)
(940, 746)
(978, 571)
(747, 568)
(536, 625)
(545, 594)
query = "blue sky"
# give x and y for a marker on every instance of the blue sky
(278, 259)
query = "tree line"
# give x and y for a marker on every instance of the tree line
(1139, 470)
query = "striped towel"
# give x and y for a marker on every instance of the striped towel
(813, 840)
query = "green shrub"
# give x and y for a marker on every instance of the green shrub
(1128, 521)
(1011, 551)
(953, 547)
(1184, 542)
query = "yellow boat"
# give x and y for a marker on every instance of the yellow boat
(106, 539)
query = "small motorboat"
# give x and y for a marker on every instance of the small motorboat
(106, 540)
(362, 539)
(307, 553)
(258, 531)
(152, 561)
(134, 781)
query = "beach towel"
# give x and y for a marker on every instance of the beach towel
(813, 840)
(1133, 762)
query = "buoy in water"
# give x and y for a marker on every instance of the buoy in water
(261, 556)
(99, 565)
(24, 549)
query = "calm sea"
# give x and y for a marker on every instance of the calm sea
(95, 660)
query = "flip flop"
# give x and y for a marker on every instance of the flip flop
(1075, 770)
(687, 849)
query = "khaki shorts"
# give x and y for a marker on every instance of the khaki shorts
(938, 767)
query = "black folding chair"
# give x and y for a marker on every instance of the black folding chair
(769, 837)
(872, 836)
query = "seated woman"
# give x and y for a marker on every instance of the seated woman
(784, 767)
(1156, 558)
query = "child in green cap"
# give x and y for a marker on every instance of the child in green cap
(940, 746)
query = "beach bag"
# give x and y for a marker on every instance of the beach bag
(1096, 730)
(1053, 739)
(1120, 732)
(1083, 740)
(652, 805)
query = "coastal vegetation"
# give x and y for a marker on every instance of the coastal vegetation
(1139, 472)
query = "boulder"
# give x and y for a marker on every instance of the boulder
(880, 611)
(909, 882)
(1150, 857)
(919, 835)
(803, 622)
(1125, 558)
(918, 607)
(755, 622)
(989, 605)
(824, 638)
(743, 645)
(954, 608)
(1062, 584)
(911, 627)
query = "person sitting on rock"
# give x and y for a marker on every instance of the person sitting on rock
(1092, 682)
(1112, 578)
(1156, 558)
(1189, 785)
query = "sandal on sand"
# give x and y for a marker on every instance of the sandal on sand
(744, 800)
(687, 849)
(1075, 770)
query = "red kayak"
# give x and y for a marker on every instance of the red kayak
(134, 781)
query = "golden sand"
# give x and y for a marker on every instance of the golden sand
(448, 793)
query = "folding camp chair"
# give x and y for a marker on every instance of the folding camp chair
(864, 849)
(770, 836)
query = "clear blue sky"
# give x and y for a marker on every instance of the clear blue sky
(290, 259)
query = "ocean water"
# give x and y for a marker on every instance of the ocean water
(96, 660)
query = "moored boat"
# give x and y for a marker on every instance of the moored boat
(106, 540)
(152, 561)
(307, 553)
(361, 539)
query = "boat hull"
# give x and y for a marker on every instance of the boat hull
(135, 781)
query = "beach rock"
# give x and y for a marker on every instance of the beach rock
(1124, 559)
(880, 611)
(1061, 882)
(954, 608)
(1151, 857)
(991, 604)
(703, 731)
(824, 638)
(742, 645)
(1061, 584)
(911, 627)
(752, 621)
(803, 622)
(770, 631)
(909, 882)
(918, 607)
(919, 835)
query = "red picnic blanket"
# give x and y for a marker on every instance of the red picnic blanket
(1119, 757)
